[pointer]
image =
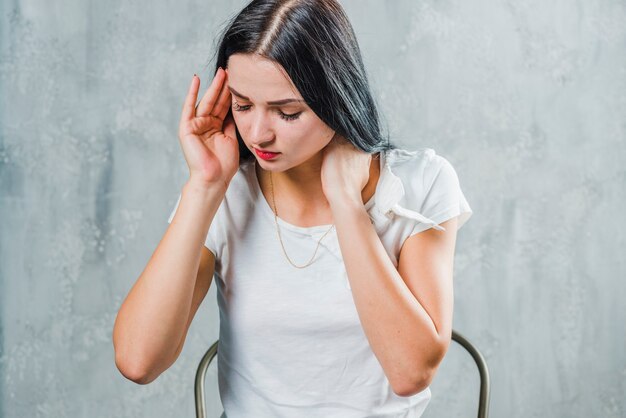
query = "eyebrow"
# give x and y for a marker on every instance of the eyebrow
(272, 103)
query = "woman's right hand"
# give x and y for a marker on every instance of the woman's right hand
(209, 140)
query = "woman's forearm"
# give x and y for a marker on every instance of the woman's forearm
(153, 318)
(401, 333)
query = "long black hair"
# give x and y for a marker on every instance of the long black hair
(315, 43)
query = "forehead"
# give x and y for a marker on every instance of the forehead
(259, 78)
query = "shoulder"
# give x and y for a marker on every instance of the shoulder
(420, 169)
(424, 186)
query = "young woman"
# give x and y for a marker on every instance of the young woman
(333, 249)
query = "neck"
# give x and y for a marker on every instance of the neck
(301, 186)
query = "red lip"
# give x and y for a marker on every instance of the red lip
(266, 155)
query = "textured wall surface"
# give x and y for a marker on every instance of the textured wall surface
(526, 98)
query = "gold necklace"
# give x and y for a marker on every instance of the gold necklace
(280, 238)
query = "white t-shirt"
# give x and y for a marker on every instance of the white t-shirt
(290, 341)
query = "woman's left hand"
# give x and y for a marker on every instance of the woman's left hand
(345, 170)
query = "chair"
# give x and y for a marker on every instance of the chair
(483, 396)
(200, 376)
(483, 401)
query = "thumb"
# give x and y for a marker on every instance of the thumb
(229, 127)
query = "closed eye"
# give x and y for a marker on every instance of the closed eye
(289, 117)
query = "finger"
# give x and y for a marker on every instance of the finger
(190, 101)
(223, 102)
(210, 96)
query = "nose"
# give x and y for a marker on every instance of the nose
(261, 131)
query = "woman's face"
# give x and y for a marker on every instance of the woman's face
(291, 129)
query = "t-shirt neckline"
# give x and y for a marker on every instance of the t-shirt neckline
(310, 230)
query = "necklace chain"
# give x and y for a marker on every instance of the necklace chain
(280, 238)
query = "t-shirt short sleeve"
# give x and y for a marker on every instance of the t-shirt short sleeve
(210, 241)
(443, 197)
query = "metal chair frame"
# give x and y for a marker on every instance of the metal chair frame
(483, 401)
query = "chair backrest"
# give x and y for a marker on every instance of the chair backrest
(200, 376)
(483, 401)
(485, 385)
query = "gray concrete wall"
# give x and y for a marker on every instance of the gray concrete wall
(527, 99)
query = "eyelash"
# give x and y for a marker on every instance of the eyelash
(285, 116)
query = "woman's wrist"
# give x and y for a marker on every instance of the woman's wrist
(201, 187)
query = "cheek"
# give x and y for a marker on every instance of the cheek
(240, 122)
(323, 132)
